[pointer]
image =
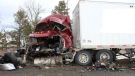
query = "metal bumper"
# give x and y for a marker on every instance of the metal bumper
(7, 66)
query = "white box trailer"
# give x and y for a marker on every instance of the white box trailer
(105, 27)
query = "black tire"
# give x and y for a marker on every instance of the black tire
(11, 58)
(81, 61)
(101, 52)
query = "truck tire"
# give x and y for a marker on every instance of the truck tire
(102, 54)
(11, 58)
(83, 58)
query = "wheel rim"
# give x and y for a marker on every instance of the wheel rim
(104, 55)
(83, 58)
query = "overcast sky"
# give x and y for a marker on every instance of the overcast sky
(9, 7)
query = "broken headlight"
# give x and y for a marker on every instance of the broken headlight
(37, 49)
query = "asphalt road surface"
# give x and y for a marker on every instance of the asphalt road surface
(69, 70)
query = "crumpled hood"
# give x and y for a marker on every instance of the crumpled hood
(55, 25)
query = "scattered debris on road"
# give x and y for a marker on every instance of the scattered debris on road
(106, 65)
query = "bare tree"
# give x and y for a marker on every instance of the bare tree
(3, 38)
(27, 18)
(22, 20)
(33, 11)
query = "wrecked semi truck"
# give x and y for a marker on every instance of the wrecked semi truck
(100, 30)
(52, 39)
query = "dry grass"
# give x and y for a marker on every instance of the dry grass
(7, 50)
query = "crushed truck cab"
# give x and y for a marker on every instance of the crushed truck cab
(52, 36)
(53, 29)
